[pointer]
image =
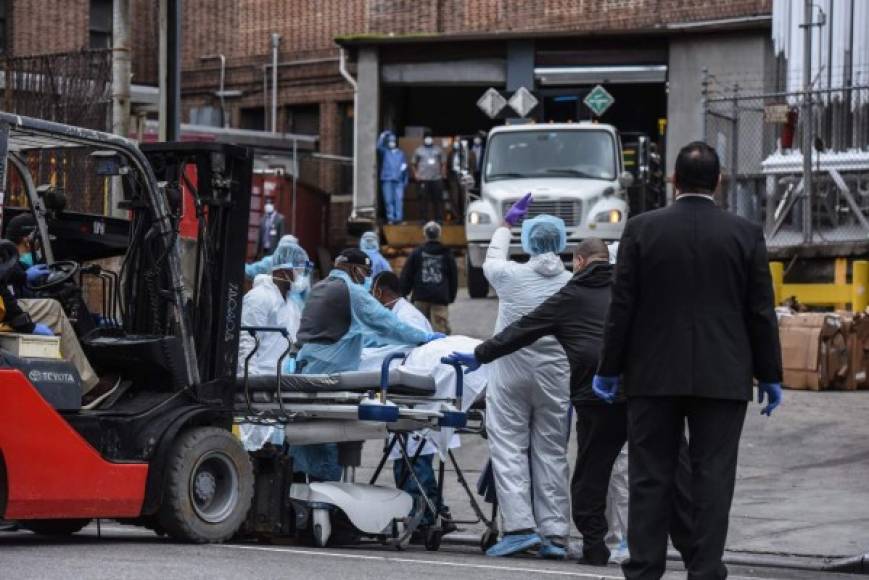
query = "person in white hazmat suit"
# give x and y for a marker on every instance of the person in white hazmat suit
(264, 265)
(528, 396)
(386, 288)
(272, 302)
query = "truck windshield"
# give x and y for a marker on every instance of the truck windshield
(561, 153)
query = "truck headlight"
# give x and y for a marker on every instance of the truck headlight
(479, 218)
(612, 216)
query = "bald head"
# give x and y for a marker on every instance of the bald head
(588, 251)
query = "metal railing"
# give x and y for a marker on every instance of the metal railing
(758, 137)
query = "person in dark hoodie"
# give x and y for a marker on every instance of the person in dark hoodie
(431, 278)
(575, 316)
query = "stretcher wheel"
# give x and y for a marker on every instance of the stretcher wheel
(55, 527)
(433, 538)
(322, 527)
(488, 539)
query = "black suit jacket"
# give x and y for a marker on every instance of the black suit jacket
(278, 226)
(692, 305)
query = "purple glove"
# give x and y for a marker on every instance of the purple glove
(518, 210)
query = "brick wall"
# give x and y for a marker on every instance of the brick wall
(47, 26)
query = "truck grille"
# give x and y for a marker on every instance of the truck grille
(568, 210)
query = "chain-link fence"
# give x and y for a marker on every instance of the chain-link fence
(760, 137)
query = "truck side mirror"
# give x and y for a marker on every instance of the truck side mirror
(626, 179)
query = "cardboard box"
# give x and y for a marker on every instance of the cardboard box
(856, 329)
(815, 352)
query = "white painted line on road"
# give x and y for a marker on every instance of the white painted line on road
(426, 562)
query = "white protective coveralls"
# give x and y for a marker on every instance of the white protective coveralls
(264, 305)
(528, 398)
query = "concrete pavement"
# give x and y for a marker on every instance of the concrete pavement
(125, 553)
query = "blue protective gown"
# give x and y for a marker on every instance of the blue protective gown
(367, 316)
(394, 163)
(378, 262)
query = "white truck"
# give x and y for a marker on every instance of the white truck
(574, 170)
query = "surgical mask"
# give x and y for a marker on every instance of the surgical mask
(478, 141)
(428, 141)
(367, 283)
(270, 208)
(392, 144)
(456, 146)
(26, 259)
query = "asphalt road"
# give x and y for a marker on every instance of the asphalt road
(125, 553)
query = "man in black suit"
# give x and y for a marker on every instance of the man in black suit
(271, 229)
(691, 322)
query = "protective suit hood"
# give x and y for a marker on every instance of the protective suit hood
(547, 265)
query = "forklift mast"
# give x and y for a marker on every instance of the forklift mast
(212, 180)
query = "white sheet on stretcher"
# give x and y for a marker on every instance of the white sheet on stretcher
(426, 360)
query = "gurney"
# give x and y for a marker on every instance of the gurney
(348, 408)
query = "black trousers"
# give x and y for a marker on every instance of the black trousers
(433, 194)
(655, 426)
(601, 432)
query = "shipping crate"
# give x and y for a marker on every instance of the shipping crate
(30, 345)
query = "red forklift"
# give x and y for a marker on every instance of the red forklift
(158, 452)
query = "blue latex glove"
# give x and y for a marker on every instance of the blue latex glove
(42, 330)
(605, 388)
(466, 359)
(518, 210)
(773, 394)
(36, 273)
(434, 336)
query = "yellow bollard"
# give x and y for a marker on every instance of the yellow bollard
(777, 270)
(859, 285)
(840, 278)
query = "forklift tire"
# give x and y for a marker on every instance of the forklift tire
(478, 286)
(55, 527)
(208, 486)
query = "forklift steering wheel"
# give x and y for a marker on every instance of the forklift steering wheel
(58, 274)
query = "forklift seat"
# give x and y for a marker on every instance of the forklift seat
(138, 355)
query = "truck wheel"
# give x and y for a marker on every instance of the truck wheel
(208, 486)
(478, 286)
(55, 527)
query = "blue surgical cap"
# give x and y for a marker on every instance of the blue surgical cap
(369, 242)
(542, 234)
(288, 256)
